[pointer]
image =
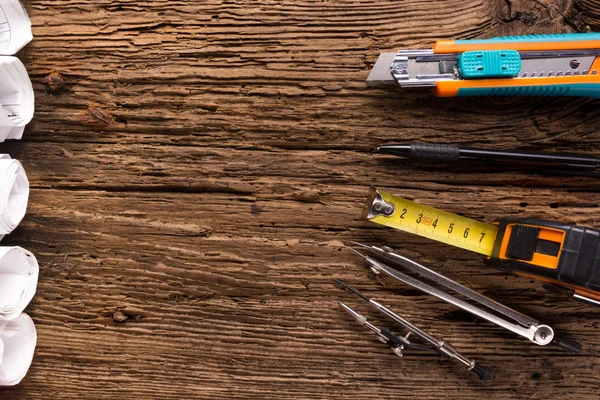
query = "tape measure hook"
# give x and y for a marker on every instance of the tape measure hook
(376, 205)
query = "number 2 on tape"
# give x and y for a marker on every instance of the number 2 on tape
(469, 234)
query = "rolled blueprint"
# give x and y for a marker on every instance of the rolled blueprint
(14, 194)
(16, 98)
(19, 271)
(17, 345)
(15, 27)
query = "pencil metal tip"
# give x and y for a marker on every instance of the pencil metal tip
(351, 289)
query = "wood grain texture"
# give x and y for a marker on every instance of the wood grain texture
(196, 167)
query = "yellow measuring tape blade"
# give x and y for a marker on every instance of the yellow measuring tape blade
(393, 211)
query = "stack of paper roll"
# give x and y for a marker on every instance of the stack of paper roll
(16, 92)
(19, 272)
(19, 269)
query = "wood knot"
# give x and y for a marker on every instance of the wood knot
(123, 316)
(95, 115)
(119, 316)
(54, 82)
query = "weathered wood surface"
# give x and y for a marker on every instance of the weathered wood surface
(197, 166)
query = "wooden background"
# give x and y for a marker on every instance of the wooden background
(196, 167)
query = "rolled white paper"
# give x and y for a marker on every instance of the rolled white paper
(15, 27)
(17, 345)
(19, 272)
(17, 100)
(14, 194)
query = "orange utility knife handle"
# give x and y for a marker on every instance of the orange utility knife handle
(551, 252)
(586, 85)
(547, 42)
(573, 85)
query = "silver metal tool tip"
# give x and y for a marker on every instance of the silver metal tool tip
(381, 74)
(358, 253)
(361, 245)
(358, 317)
(351, 289)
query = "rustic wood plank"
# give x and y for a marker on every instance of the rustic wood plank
(196, 168)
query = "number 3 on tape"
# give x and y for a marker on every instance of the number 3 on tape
(469, 234)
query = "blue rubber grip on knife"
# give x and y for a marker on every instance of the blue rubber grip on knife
(552, 37)
(572, 89)
(489, 64)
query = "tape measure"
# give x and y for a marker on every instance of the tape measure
(393, 211)
(565, 257)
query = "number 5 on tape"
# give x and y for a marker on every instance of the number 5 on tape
(389, 210)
